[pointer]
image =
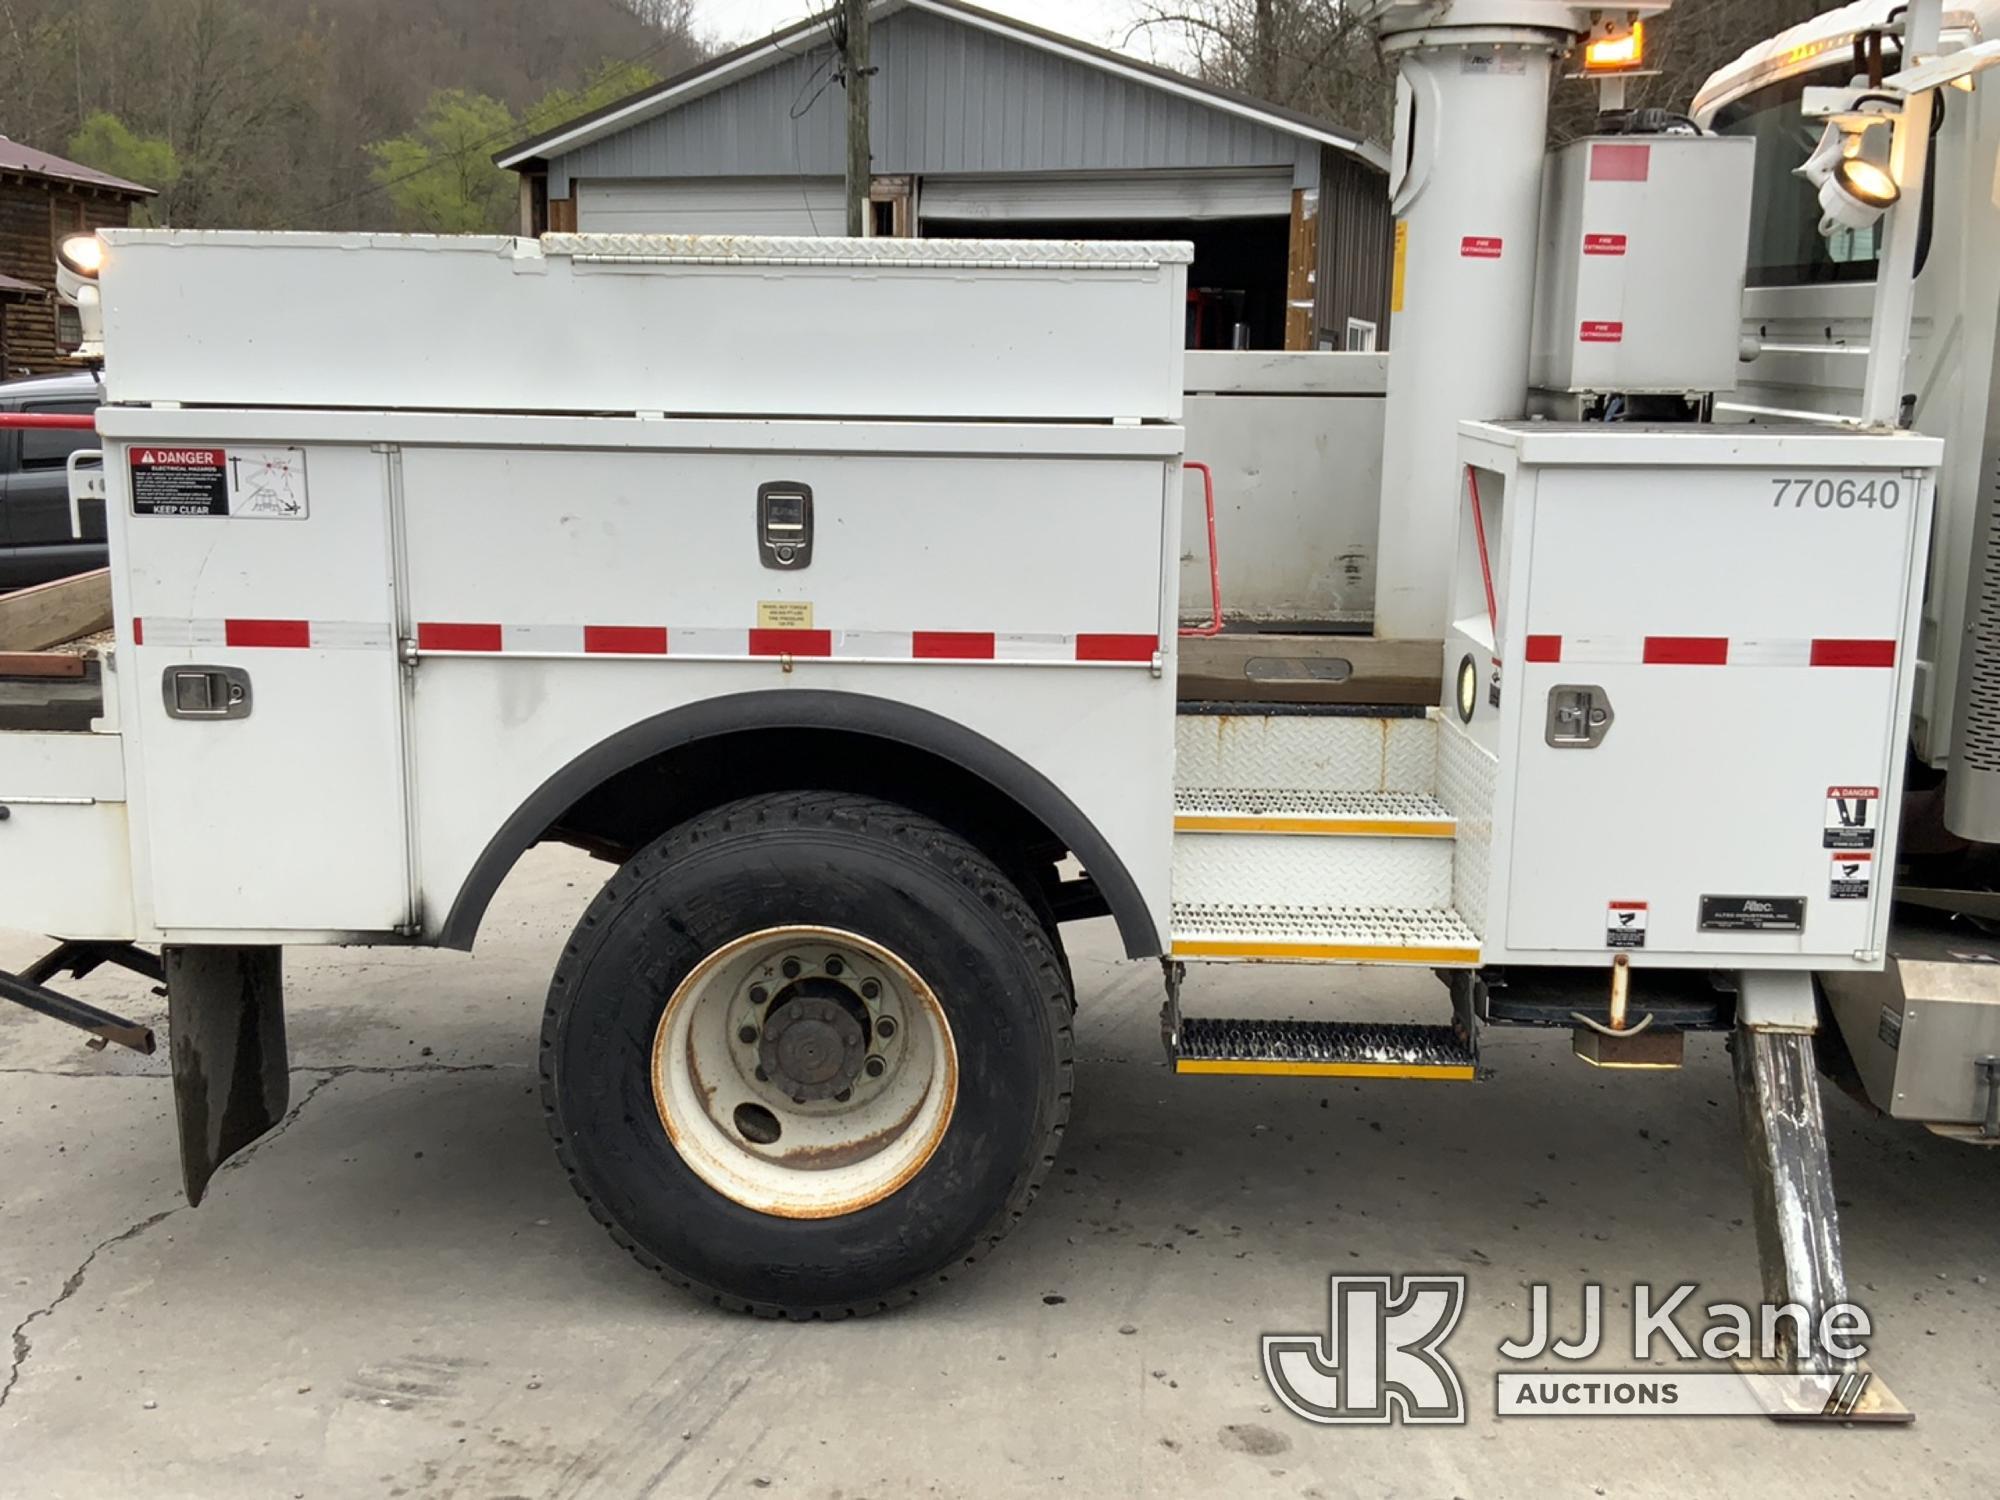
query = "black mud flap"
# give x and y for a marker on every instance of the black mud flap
(226, 1035)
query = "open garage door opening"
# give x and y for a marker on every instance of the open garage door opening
(1236, 286)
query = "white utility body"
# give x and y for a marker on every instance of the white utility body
(486, 572)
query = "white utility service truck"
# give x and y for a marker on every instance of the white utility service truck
(858, 657)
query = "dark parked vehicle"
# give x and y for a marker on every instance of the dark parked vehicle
(35, 540)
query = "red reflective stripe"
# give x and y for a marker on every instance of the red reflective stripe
(1687, 650)
(1854, 653)
(1116, 647)
(1545, 648)
(791, 643)
(295, 634)
(625, 640)
(138, 631)
(458, 637)
(959, 645)
(1620, 162)
(77, 419)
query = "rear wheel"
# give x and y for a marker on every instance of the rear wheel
(808, 1054)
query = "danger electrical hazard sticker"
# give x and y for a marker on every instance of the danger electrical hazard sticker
(1849, 876)
(1851, 816)
(1625, 924)
(267, 483)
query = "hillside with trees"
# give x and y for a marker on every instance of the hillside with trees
(321, 114)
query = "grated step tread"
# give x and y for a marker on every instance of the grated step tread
(1338, 934)
(1252, 809)
(1333, 1049)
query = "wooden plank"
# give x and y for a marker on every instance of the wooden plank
(51, 613)
(40, 664)
(1237, 668)
(1302, 270)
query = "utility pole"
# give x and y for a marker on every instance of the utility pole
(854, 45)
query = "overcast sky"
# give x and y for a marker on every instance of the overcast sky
(1103, 22)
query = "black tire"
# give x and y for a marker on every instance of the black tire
(836, 860)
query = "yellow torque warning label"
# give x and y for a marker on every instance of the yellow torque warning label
(784, 614)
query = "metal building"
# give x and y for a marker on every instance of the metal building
(984, 126)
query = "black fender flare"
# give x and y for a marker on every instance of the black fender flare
(805, 708)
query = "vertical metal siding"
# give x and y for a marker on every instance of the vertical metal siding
(1355, 235)
(947, 98)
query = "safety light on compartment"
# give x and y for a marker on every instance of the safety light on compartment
(83, 254)
(1616, 54)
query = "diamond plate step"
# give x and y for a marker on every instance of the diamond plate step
(1323, 1049)
(1322, 933)
(1413, 815)
(1283, 753)
(1259, 870)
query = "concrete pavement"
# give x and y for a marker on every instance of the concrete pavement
(398, 1294)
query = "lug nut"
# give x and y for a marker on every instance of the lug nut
(835, 967)
(843, 1096)
(870, 989)
(762, 1076)
(758, 994)
(747, 1035)
(790, 968)
(886, 1027)
(876, 1067)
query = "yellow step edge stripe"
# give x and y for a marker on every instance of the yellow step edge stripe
(1448, 1072)
(1353, 953)
(1394, 828)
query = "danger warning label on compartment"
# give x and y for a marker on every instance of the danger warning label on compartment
(1851, 816)
(256, 482)
(1625, 924)
(1849, 875)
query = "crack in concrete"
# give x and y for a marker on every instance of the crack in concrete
(72, 1284)
(24, 1347)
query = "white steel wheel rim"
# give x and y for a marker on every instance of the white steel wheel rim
(848, 1134)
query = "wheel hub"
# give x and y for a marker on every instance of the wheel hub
(814, 1043)
(804, 1071)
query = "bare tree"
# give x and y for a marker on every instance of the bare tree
(1309, 55)
(1318, 56)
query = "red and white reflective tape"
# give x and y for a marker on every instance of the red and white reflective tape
(455, 638)
(295, 635)
(1712, 651)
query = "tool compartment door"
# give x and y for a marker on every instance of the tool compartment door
(1746, 649)
(269, 565)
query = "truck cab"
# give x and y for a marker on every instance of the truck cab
(37, 543)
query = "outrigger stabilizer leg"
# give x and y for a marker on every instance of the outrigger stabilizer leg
(1792, 1195)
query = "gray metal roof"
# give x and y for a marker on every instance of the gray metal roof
(1234, 128)
(15, 157)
